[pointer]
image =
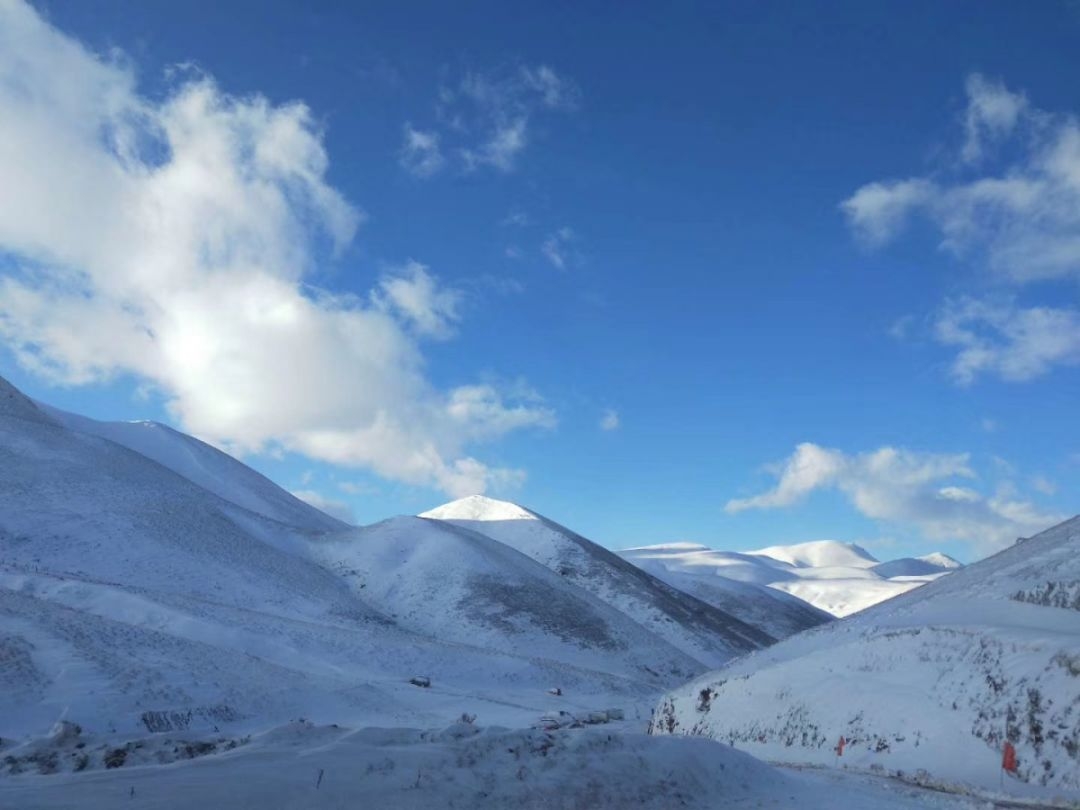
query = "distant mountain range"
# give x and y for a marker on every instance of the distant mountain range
(839, 578)
(932, 683)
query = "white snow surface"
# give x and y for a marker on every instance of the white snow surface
(457, 585)
(180, 590)
(934, 680)
(164, 610)
(770, 609)
(703, 631)
(302, 765)
(838, 578)
(204, 466)
(820, 554)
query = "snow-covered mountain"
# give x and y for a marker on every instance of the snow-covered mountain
(930, 565)
(777, 613)
(934, 681)
(149, 581)
(457, 585)
(819, 554)
(203, 465)
(700, 630)
(838, 578)
(177, 605)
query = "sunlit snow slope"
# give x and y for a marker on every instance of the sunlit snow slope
(839, 578)
(203, 465)
(150, 582)
(698, 629)
(937, 679)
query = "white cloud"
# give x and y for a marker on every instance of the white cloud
(481, 412)
(420, 154)
(515, 218)
(501, 149)
(488, 115)
(416, 297)
(172, 240)
(609, 420)
(1023, 220)
(1014, 212)
(1040, 483)
(907, 488)
(878, 211)
(557, 247)
(334, 508)
(901, 327)
(1015, 343)
(992, 113)
(555, 91)
(809, 468)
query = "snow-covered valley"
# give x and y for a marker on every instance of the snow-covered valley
(168, 616)
(934, 682)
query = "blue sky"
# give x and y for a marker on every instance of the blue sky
(740, 274)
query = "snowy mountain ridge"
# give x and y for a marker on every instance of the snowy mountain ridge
(819, 554)
(702, 628)
(203, 465)
(835, 577)
(935, 680)
(149, 580)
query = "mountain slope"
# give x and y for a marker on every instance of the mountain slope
(698, 629)
(204, 466)
(936, 679)
(124, 589)
(770, 609)
(930, 565)
(819, 554)
(451, 583)
(132, 597)
(16, 405)
(837, 578)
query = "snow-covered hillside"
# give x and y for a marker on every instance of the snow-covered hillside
(838, 578)
(302, 765)
(454, 584)
(770, 609)
(819, 554)
(203, 465)
(700, 630)
(149, 582)
(935, 680)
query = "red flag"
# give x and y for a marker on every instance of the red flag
(1008, 758)
(840, 746)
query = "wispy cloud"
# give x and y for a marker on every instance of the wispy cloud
(557, 247)
(516, 218)
(1013, 212)
(992, 114)
(1015, 343)
(487, 116)
(609, 420)
(931, 492)
(420, 154)
(417, 298)
(174, 239)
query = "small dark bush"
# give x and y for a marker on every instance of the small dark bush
(115, 757)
